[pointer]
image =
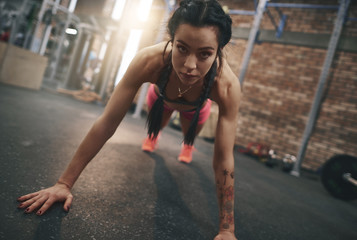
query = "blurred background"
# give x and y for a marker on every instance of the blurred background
(297, 59)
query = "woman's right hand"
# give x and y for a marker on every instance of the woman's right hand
(43, 200)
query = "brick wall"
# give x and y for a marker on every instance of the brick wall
(281, 81)
(336, 128)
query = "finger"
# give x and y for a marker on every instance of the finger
(45, 206)
(36, 204)
(68, 202)
(27, 196)
(29, 202)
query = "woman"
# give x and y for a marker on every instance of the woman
(185, 72)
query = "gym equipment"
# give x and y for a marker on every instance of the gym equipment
(272, 159)
(339, 177)
(288, 162)
(256, 150)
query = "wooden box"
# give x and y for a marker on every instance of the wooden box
(21, 67)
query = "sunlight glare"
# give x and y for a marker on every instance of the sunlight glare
(118, 9)
(144, 10)
(131, 48)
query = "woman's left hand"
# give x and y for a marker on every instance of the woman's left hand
(225, 236)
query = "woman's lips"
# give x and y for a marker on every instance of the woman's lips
(188, 76)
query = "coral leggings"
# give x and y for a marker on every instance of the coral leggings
(202, 118)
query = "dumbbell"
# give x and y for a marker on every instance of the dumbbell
(339, 177)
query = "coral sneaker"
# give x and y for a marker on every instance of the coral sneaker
(149, 144)
(186, 153)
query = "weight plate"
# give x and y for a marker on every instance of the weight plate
(332, 176)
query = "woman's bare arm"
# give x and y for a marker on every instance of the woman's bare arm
(228, 98)
(140, 70)
(107, 123)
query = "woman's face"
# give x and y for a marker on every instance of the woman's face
(193, 52)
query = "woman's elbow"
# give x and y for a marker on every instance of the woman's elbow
(223, 159)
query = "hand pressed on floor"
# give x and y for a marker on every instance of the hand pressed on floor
(225, 235)
(44, 199)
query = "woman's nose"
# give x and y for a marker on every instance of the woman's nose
(191, 62)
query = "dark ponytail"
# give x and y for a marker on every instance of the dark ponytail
(154, 119)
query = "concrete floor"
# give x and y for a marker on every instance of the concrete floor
(125, 193)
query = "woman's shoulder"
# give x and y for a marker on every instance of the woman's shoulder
(146, 65)
(227, 85)
(151, 58)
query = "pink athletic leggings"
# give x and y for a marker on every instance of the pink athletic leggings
(202, 118)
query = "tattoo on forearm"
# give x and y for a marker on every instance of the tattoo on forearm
(226, 205)
(225, 173)
(226, 200)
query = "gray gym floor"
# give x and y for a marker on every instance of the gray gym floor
(125, 193)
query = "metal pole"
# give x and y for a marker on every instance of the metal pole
(16, 21)
(74, 59)
(45, 38)
(39, 22)
(2, 5)
(241, 12)
(252, 37)
(72, 5)
(321, 85)
(14, 25)
(299, 5)
(59, 48)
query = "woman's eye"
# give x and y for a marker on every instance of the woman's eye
(181, 49)
(205, 55)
